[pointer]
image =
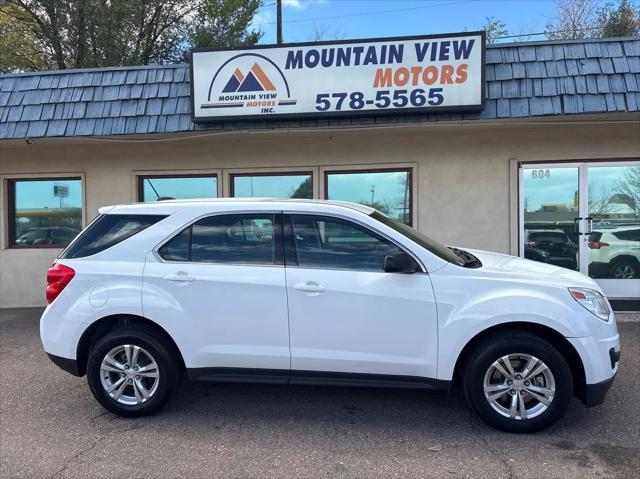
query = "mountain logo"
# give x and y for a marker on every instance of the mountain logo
(255, 80)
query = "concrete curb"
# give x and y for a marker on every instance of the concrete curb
(628, 317)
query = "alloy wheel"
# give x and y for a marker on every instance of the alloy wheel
(129, 374)
(519, 386)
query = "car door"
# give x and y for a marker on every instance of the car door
(218, 287)
(346, 314)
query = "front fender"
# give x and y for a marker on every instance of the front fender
(463, 313)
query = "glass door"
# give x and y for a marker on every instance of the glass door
(550, 212)
(612, 256)
(585, 217)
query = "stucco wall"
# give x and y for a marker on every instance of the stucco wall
(464, 182)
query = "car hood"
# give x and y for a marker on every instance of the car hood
(516, 268)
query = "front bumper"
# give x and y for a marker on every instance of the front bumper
(66, 364)
(600, 355)
(594, 394)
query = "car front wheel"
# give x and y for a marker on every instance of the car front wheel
(131, 372)
(518, 382)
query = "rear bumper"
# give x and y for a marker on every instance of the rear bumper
(66, 364)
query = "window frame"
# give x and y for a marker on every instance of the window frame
(141, 177)
(11, 208)
(278, 239)
(290, 250)
(233, 176)
(391, 169)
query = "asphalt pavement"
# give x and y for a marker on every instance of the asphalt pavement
(51, 427)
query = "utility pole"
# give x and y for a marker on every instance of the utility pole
(279, 22)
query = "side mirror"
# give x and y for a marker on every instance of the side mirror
(400, 262)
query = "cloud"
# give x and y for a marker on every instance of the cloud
(301, 4)
(293, 4)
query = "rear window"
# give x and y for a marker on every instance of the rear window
(106, 231)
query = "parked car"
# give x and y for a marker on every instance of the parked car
(328, 293)
(615, 253)
(557, 244)
(52, 235)
(536, 254)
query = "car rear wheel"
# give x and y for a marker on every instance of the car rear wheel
(131, 371)
(518, 382)
(624, 269)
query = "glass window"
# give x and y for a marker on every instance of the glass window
(240, 239)
(154, 188)
(332, 243)
(106, 231)
(44, 212)
(388, 191)
(272, 186)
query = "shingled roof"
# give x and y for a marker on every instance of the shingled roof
(522, 80)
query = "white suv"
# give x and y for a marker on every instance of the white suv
(615, 253)
(311, 292)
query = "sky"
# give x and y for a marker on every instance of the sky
(561, 183)
(347, 19)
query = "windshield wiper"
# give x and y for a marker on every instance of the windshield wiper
(470, 261)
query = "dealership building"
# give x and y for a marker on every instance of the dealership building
(529, 149)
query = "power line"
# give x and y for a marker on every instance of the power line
(361, 14)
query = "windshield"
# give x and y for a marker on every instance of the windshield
(423, 240)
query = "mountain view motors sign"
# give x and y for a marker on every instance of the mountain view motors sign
(443, 72)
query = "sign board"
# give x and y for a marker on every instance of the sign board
(61, 191)
(355, 77)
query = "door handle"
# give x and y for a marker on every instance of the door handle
(310, 287)
(179, 277)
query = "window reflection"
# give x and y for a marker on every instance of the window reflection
(45, 212)
(551, 209)
(272, 186)
(614, 206)
(155, 188)
(386, 191)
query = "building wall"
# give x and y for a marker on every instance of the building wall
(465, 176)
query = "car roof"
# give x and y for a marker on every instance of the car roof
(219, 204)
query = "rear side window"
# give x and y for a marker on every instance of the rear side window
(629, 235)
(106, 231)
(231, 239)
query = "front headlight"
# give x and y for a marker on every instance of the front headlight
(592, 301)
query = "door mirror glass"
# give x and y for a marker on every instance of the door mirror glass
(400, 262)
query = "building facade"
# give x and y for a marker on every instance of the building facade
(549, 169)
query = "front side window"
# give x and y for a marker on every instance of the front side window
(333, 243)
(272, 186)
(231, 239)
(155, 188)
(107, 231)
(388, 191)
(44, 212)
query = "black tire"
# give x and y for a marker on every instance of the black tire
(516, 342)
(161, 351)
(621, 263)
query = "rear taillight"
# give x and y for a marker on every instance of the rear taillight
(597, 244)
(58, 277)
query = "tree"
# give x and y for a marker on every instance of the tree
(494, 29)
(322, 33)
(304, 190)
(97, 33)
(19, 46)
(225, 23)
(623, 21)
(574, 19)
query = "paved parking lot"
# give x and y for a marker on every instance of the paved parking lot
(50, 427)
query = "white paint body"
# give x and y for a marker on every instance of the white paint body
(260, 317)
